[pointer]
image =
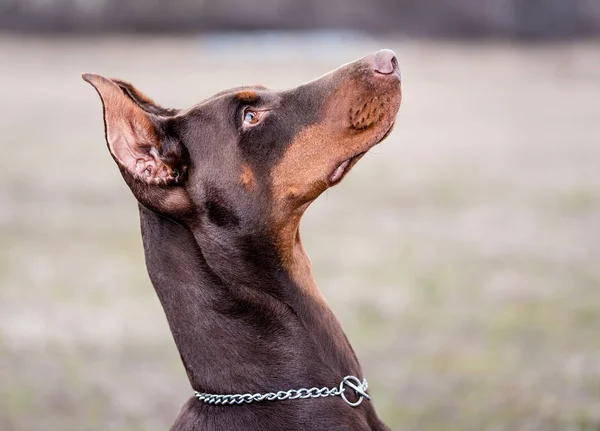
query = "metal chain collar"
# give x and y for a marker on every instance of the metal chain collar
(360, 389)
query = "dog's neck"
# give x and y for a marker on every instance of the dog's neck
(241, 321)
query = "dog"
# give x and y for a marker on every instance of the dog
(221, 189)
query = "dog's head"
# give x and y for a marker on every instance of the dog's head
(249, 157)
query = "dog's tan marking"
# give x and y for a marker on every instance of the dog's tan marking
(247, 178)
(304, 170)
(247, 96)
(297, 180)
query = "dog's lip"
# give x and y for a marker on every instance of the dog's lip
(387, 133)
(344, 167)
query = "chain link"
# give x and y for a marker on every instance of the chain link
(360, 389)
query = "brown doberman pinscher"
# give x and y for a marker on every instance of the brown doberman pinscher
(222, 187)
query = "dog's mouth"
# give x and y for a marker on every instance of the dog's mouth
(343, 168)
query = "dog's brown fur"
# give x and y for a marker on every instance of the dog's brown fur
(220, 203)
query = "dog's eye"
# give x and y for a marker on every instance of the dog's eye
(251, 117)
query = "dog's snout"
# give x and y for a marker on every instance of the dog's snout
(385, 62)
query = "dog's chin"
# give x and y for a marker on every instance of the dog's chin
(344, 167)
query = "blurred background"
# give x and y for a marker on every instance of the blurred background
(461, 256)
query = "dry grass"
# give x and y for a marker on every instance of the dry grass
(461, 255)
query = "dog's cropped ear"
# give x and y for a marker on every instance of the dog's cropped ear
(134, 139)
(139, 138)
(142, 100)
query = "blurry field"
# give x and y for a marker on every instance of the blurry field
(462, 255)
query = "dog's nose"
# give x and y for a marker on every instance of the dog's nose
(385, 62)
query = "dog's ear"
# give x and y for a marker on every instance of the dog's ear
(143, 101)
(133, 136)
(153, 163)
